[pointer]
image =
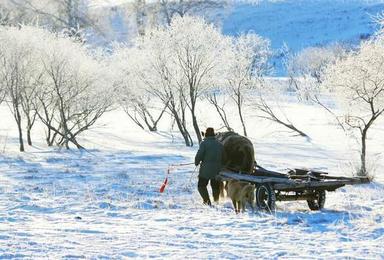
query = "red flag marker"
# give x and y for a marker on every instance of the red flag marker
(162, 188)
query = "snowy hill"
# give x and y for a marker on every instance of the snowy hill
(297, 23)
(303, 23)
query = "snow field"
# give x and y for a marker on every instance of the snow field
(104, 202)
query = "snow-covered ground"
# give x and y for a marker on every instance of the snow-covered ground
(104, 202)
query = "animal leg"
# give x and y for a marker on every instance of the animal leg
(242, 204)
(234, 205)
(252, 206)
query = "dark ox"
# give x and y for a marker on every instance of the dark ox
(238, 154)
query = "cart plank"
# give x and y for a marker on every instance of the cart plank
(285, 184)
(253, 178)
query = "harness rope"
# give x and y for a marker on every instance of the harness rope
(168, 172)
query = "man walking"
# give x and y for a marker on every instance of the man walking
(210, 155)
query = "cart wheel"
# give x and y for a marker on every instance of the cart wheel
(265, 197)
(319, 202)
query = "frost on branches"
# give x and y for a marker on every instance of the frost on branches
(247, 63)
(183, 63)
(358, 82)
(177, 64)
(51, 77)
(198, 49)
(134, 92)
(306, 69)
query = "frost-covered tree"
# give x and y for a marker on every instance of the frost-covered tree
(358, 83)
(313, 60)
(55, 78)
(62, 13)
(19, 75)
(28, 104)
(306, 69)
(135, 96)
(12, 76)
(171, 8)
(182, 61)
(197, 52)
(160, 77)
(248, 62)
(58, 15)
(306, 73)
(77, 85)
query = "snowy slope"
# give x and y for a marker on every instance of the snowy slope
(104, 203)
(297, 23)
(303, 23)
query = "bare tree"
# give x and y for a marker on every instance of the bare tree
(59, 13)
(134, 97)
(248, 62)
(28, 106)
(170, 8)
(78, 105)
(46, 109)
(197, 48)
(160, 76)
(19, 76)
(306, 73)
(71, 16)
(358, 83)
(160, 79)
(270, 91)
(12, 74)
(143, 115)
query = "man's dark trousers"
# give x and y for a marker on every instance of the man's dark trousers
(202, 187)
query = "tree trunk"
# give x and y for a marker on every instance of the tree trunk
(363, 169)
(29, 139)
(50, 140)
(241, 114)
(134, 119)
(195, 124)
(18, 121)
(180, 123)
(63, 120)
(182, 129)
(149, 121)
(74, 141)
(29, 128)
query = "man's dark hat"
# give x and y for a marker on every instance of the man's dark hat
(209, 132)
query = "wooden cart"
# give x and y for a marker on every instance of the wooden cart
(296, 184)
